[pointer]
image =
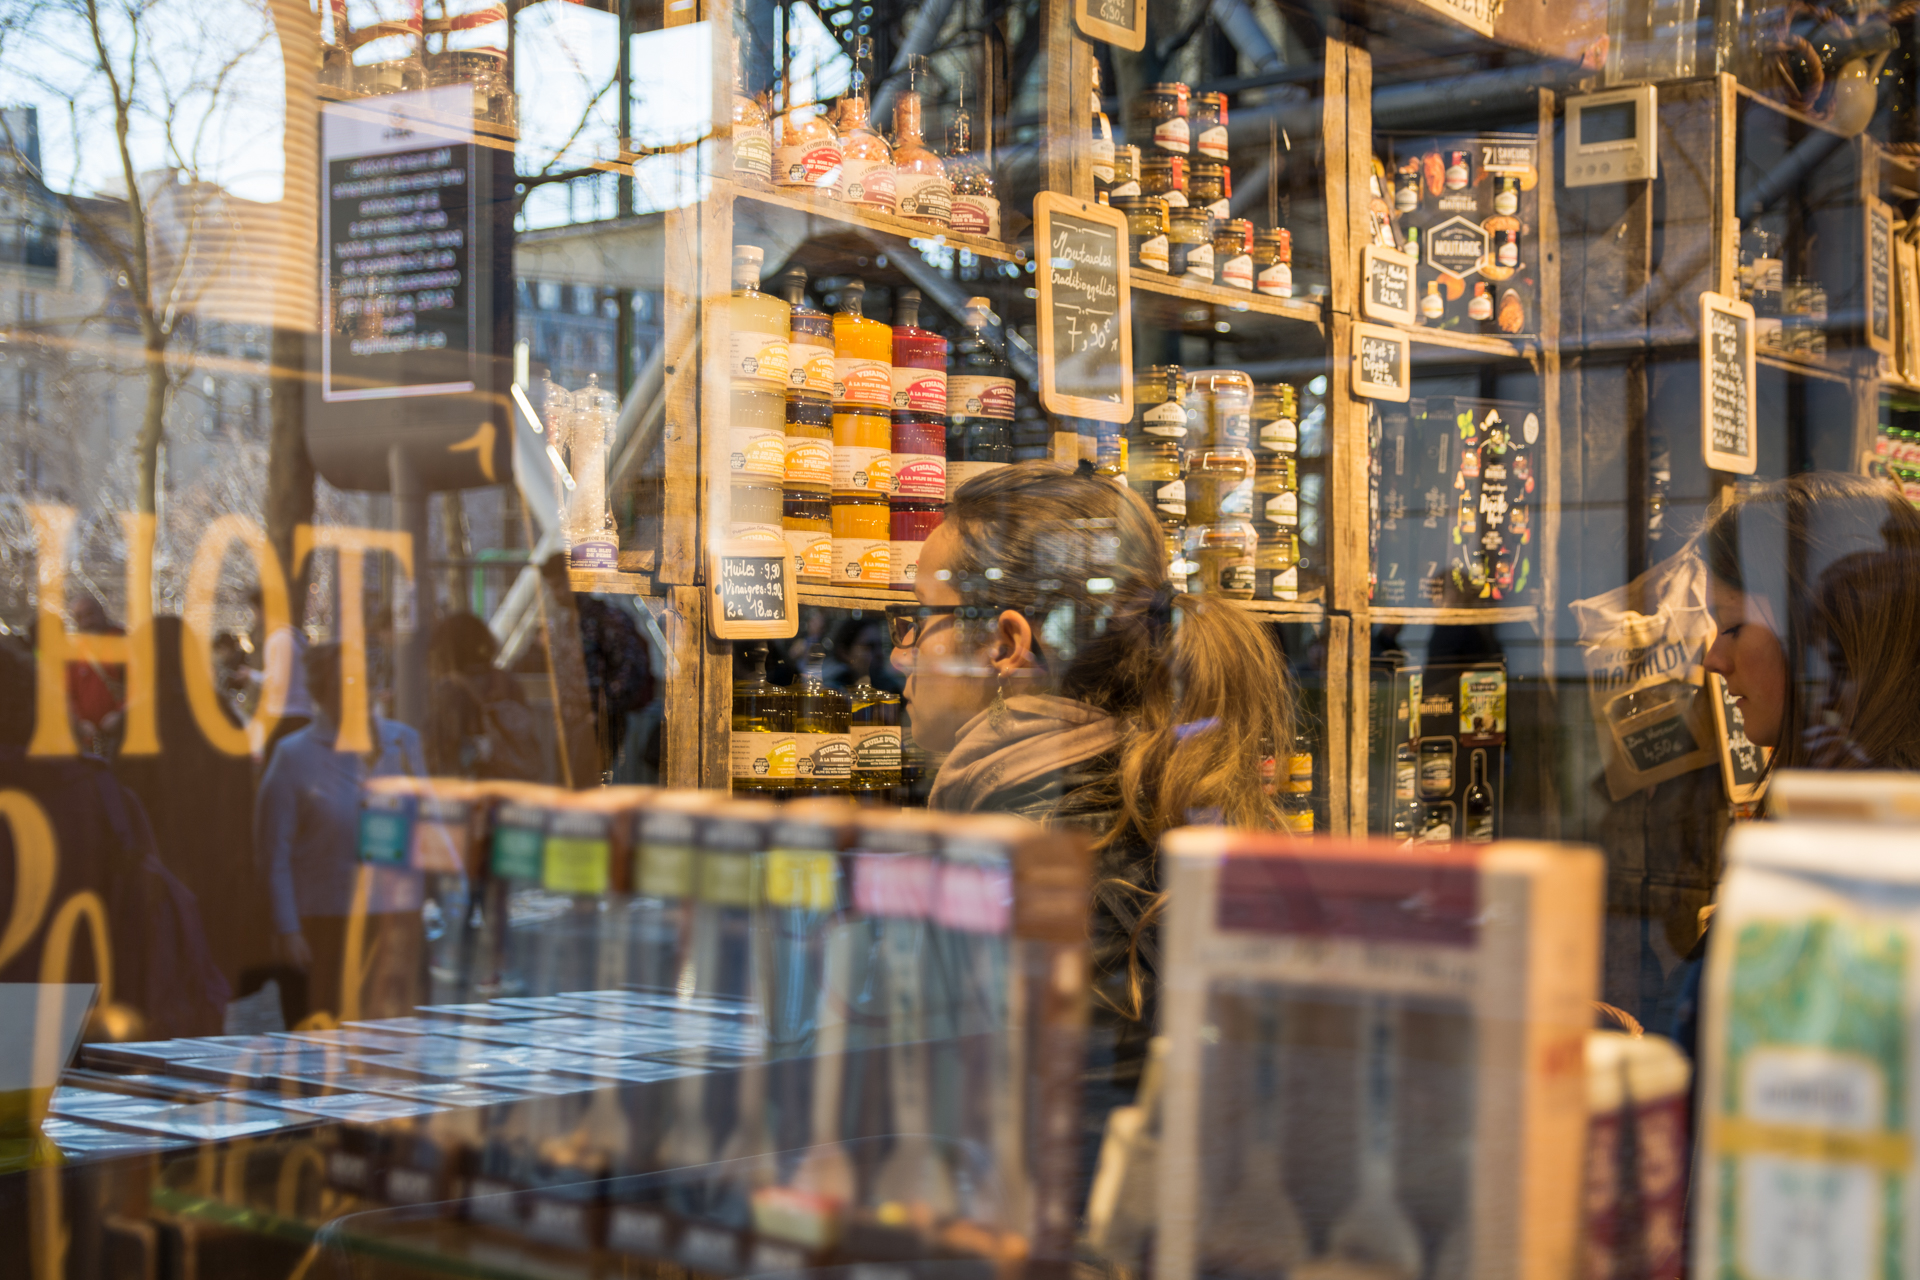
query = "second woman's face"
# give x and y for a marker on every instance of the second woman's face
(1747, 654)
(948, 681)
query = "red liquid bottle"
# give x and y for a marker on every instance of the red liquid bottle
(919, 434)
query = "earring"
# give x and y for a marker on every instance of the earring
(997, 713)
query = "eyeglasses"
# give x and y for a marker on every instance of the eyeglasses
(906, 621)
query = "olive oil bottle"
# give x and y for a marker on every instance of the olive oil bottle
(874, 730)
(764, 749)
(824, 753)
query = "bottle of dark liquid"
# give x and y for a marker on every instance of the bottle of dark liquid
(874, 731)
(979, 402)
(763, 749)
(1477, 804)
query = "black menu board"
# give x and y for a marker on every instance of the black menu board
(1390, 285)
(753, 595)
(1743, 763)
(1086, 334)
(1879, 276)
(1121, 23)
(1726, 385)
(1382, 363)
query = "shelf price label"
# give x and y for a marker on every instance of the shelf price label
(1382, 363)
(1390, 277)
(1726, 385)
(751, 583)
(1743, 764)
(1121, 23)
(1085, 318)
(1880, 276)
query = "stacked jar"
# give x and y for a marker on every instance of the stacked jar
(1220, 541)
(1157, 456)
(1276, 492)
(919, 437)
(807, 505)
(1209, 177)
(862, 443)
(758, 362)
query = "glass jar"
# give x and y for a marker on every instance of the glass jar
(1189, 247)
(1276, 417)
(1146, 231)
(1232, 253)
(1276, 490)
(756, 510)
(1276, 564)
(1221, 555)
(1273, 263)
(1164, 176)
(1207, 125)
(1158, 121)
(1210, 187)
(1219, 405)
(1126, 173)
(809, 444)
(862, 539)
(807, 521)
(756, 431)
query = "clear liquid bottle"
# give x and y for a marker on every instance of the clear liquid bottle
(807, 153)
(760, 326)
(976, 206)
(593, 540)
(809, 340)
(926, 195)
(752, 134)
(979, 402)
(866, 161)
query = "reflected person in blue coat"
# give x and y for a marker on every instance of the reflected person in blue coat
(307, 839)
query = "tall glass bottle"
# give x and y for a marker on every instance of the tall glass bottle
(810, 340)
(866, 161)
(807, 153)
(976, 207)
(752, 135)
(760, 326)
(874, 729)
(763, 749)
(920, 176)
(823, 754)
(1477, 804)
(979, 402)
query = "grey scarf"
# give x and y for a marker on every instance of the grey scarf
(1027, 738)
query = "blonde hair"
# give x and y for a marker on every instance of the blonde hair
(1199, 686)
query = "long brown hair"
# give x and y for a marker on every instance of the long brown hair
(1199, 686)
(1838, 559)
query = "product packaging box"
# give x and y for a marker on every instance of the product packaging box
(1377, 1060)
(1471, 203)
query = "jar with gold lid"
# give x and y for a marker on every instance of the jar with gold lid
(1219, 406)
(1189, 247)
(1233, 253)
(1273, 263)
(1210, 187)
(1276, 566)
(1164, 176)
(1158, 121)
(1126, 173)
(1276, 491)
(1207, 125)
(1146, 231)
(1221, 558)
(1276, 419)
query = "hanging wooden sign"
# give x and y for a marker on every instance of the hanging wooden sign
(1390, 278)
(1121, 23)
(1726, 385)
(1084, 316)
(1880, 283)
(1743, 763)
(1907, 309)
(751, 592)
(1382, 363)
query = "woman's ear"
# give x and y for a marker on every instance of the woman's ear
(1012, 643)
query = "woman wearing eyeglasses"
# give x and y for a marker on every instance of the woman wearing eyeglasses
(1050, 660)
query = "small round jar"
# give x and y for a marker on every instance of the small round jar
(1210, 187)
(1222, 556)
(1273, 263)
(1158, 121)
(1146, 231)
(1276, 420)
(1164, 176)
(1189, 247)
(1220, 408)
(1126, 173)
(1207, 123)
(1232, 256)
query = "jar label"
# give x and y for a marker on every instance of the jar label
(812, 553)
(958, 473)
(576, 864)
(1507, 203)
(1171, 498)
(753, 152)
(1172, 135)
(818, 757)
(918, 390)
(759, 357)
(1237, 272)
(1480, 306)
(976, 215)
(815, 163)
(1212, 142)
(1280, 584)
(594, 553)
(1128, 188)
(920, 475)
(903, 563)
(869, 184)
(810, 366)
(1283, 509)
(1220, 210)
(1165, 419)
(1276, 281)
(809, 460)
(978, 397)
(1237, 577)
(925, 198)
(1237, 502)
(1153, 253)
(755, 451)
(753, 531)
(876, 747)
(1174, 199)
(857, 467)
(1282, 435)
(857, 380)
(1200, 264)
(763, 757)
(861, 560)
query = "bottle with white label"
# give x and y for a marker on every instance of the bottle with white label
(823, 750)
(1480, 306)
(752, 137)
(1507, 201)
(920, 176)
(976, 204)
(763, 749)
(1508, 254)
(874, 729)
(866, 161)
(1432, 306)
(980, 402)
(807, 152)
(759, 325)
(1458, 174)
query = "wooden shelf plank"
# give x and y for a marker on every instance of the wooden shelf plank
(876, 598)
(1828, 369)
(1454, 617)
(609, 582)
(1500, 348)
(817, 204)
(1234, 300)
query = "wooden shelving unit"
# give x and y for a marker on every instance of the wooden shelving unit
(827, 218)
(1149, 286)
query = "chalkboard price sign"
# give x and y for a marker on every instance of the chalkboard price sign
(1121, 23)
(1726, 385)
(1743, 763)
(1879, 276)
(1382, 363)
(751, 585)
(1391, 281)
(1086, 334)
(1906, 326)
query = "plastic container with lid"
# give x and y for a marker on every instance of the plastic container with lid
(1189, 247)
(1146, 231)
(1158, 120)
(1164, 176)
(862, 452)
(808, 444)
(1273, 263)
(1276, 419)
(862, 532)
(756, 430)
(909, 524)
(807, 521)
(1232, 253)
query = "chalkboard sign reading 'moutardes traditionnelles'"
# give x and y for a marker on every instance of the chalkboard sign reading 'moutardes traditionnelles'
(1086, 334)
(1879, 276)
(1743, 763)
(751, 583)
(1121, 23)
(1726, 385)
(1390, 279)
(1382, 363)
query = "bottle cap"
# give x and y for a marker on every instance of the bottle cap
(793, 283)
(853, 298)
(746, 263)
(906, 309)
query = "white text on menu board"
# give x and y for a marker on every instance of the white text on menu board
(1090, 327)
(401, 256)
(1728, 370)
